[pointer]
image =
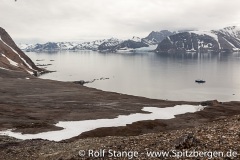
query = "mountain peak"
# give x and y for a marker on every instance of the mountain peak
(230, 27)
(156, 37)
(136, 39)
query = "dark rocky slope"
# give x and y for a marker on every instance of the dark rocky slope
(156, 37)
(125, 45)
(227, 39)
(12, 58)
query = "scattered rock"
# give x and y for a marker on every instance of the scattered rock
(82, 82)
(186, 141)
(209, 103)
(43, 64)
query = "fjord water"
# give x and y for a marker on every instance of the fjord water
(152, 75)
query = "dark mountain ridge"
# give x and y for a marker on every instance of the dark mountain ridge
(104, 45)
(156, 37)
(227, 40)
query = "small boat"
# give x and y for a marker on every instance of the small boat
(200, 81)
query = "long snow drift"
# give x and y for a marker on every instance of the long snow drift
(75, 128)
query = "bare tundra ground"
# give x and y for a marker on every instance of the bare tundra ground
(34, 105)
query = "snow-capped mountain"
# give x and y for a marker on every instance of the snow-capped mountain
(104, 45)
(136, 39)
(12, 58)
(58, 46)
(233, 31)
(111, 45)
(227, 39)
(50, 46)
(95, 45)
(130, 44)
(23, 46)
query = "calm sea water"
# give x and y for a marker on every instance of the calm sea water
(150, 75)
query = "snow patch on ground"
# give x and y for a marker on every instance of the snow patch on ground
(75, 128)
(5, 69)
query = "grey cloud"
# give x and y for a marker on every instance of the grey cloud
(58, 20)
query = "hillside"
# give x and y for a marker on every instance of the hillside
(226, 40)
(156, 37)
(12, 58)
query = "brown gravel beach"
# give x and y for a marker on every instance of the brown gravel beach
(33, 105)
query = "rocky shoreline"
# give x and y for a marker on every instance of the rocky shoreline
(33, 105)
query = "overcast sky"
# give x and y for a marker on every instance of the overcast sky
(73, 20)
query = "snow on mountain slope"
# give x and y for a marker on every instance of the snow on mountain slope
(23, 46)
(58, 46)
(136, 39)
(66, 45)
(233, 31)
(50, 46)
(123, 46)
(226, 39)
(12, 58)
(111, 44)
(229, 37)
(94, 45)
